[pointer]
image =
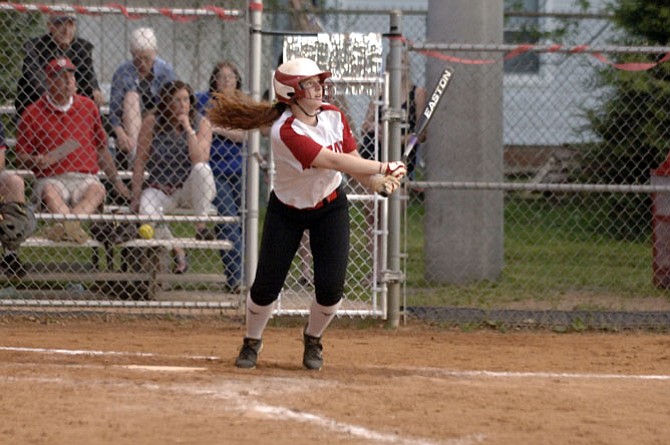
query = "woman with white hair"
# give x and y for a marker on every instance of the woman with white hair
(135, 87)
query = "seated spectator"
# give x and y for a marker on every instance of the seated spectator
(61, 139)
(12, 189)
(59, 41)
(134, 91)
(173, 146)
(228, 168)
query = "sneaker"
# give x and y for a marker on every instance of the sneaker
(12, 265)
(312, 357)
(74, 232)
(249, 353)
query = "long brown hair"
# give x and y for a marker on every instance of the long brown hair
(239, 111)
(167, 93)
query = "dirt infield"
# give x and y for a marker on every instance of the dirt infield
(151, 382)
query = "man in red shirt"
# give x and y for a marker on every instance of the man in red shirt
(61, 139)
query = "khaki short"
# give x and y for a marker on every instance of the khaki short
(72, 186)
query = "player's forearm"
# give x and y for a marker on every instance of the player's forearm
(352, 165)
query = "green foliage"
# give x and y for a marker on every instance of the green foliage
(553, 249)
(15, 28)
(646, 19)
(632, 122)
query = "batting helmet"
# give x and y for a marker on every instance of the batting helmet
(289, 75)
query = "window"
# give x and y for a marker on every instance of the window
(521, 27)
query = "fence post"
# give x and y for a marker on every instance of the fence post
(252, 216)
(394, 276)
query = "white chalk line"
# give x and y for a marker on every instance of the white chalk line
(237, 399)
(240, 395)
(163, 368)
(86, 352)
(425, 370)
(433, 372)
(281, 413)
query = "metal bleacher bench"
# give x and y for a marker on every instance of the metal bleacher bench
(149, 269)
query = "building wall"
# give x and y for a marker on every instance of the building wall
(534, 104)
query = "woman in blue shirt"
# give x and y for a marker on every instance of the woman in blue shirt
(227, 162)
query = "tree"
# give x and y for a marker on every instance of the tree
(15, 28)
(633, 121)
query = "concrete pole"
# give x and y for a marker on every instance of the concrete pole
(464, 229)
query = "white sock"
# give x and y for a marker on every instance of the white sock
(320, 317)
(257, 318)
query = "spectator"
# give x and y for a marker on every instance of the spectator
(59, 41)
(173, 145)
(12, 189)
(135, 87)
(312, 145)
(414, 103)
(60, 137)
(228, 168)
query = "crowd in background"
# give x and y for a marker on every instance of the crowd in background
(158, 128)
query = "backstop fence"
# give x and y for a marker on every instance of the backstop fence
(582, 198)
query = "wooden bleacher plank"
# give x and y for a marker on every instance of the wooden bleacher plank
(28, 174)
(39, 241)
(125, 210)
(89, 277)
(186, 243)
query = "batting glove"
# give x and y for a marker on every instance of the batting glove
(396, 169)
(384, 185)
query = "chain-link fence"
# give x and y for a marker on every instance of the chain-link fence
(573, 181)
(155, 229)
(102, 113)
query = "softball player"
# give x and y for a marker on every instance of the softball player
(312, 146)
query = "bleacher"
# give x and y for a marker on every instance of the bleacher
(133, 269)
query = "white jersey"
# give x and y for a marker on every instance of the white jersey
(294, 147)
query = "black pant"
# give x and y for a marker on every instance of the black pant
(328, 239)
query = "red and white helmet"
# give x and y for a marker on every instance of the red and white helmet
(289, 75)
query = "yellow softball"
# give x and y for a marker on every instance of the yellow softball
(146, 231)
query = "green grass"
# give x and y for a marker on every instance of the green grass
(551, 249)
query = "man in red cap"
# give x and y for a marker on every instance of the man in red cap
(60, 41)
(61, 139)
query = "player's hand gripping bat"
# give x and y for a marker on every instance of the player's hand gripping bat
(427, 114)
